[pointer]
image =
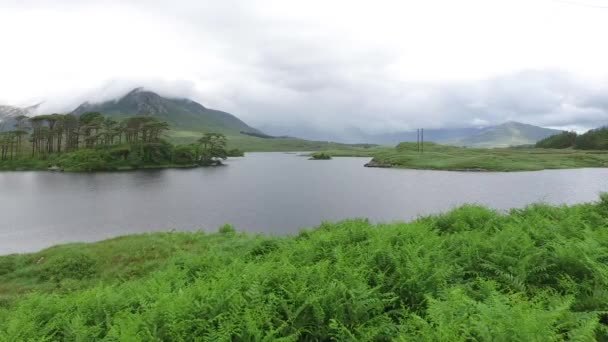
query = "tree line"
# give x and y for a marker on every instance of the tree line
(595, 139)
(137, 139)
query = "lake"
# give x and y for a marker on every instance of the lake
(276, 193)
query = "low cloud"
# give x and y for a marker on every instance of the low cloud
(303, 67)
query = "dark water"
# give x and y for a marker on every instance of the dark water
(263, 192)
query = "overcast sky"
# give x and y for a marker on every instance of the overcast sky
(376, 65)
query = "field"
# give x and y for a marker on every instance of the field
(443, 157)
(254, 144)
(538, 273)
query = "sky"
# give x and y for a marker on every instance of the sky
(330, 66)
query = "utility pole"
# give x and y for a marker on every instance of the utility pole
(422, 140)
(418, 140)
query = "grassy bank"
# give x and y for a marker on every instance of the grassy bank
(443, 157)
(57, 164)
(538, 273)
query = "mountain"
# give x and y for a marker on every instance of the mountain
(354, 135)
(179, 113)
(504, 135)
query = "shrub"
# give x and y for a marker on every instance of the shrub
(235, 152)
(184, 154)
(8, 264)
(320, 156)
(227, 229)
(76, 265)
(264, 247)
(467, 217)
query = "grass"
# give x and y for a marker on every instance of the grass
(443, 157)
(255, 144)
(539, 273)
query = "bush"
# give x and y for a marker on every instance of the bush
(320, 156)
(75, 265)
(184, 155)
(8, 264)
(235, 152)
(227, 229)
(264, 247)
(86, 160)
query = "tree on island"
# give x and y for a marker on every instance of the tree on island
(212, 149)
(93, 141)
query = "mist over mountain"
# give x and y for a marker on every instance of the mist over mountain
(506, 134)
(9, 113)
(180, 113)
(186, 114)
(503, 135)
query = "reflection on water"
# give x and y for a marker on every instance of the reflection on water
(264, 192)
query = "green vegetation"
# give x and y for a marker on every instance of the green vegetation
(251, 143)
(538, 273)
(235, 152)
(93, 142)
(595, 139)
(320, 156)
(444, 157)
(562, 140)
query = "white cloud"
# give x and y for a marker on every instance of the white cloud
(382, 65)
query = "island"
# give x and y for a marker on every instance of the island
(320, 156)
(94, 142)
(454, 158)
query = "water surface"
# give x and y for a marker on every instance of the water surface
(274, 193)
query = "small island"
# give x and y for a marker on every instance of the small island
(320, 156)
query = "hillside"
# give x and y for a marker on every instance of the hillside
(505, 135)
(594, 139)
(179, 113)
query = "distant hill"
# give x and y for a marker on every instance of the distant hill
(505, 135)
(179, 113)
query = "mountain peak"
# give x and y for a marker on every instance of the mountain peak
(514, 123)
(138, 92)
(179, 113)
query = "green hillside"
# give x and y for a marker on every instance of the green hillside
(594, 139)
(250, 143)
(506, 135)
(179, 113)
